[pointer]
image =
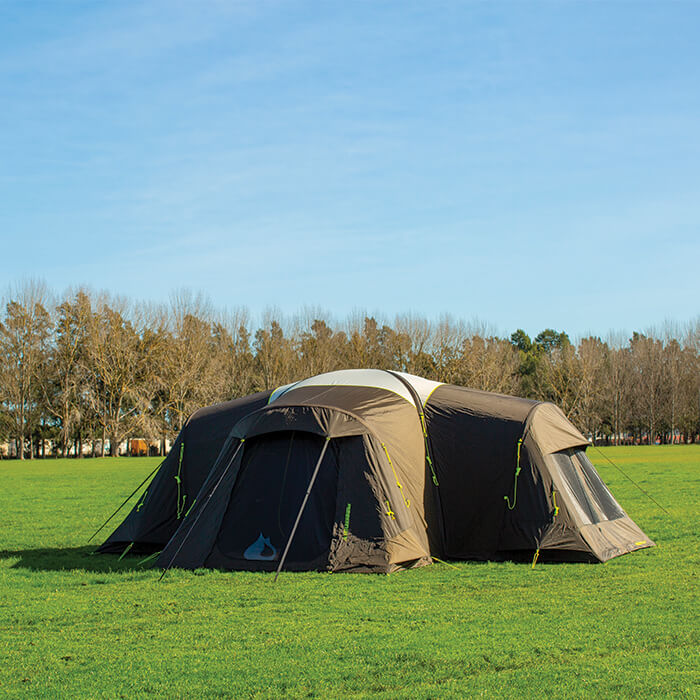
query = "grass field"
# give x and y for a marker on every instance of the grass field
(76, 625)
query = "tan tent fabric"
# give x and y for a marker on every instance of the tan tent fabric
(405, 547)
(612, 538)
(551, 429)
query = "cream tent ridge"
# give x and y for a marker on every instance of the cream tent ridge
(373, 470)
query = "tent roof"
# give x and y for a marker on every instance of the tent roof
(553, 431)
(375, 378)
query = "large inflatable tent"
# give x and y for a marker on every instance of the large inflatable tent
(372, 470)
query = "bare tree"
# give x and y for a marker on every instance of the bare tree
(235, 364)
(24, 337)
(560, 377)
(448, 342)
(489, 364)
(419, 334)
(616, 388)
(689, 399)
(115, 364)
(66, 373)
(274, 356)
(187, 378)
(648, 383)
(321, 349)
(589, 415)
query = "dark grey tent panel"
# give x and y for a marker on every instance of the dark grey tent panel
(368, 470)
(156, 516)
(474, 438)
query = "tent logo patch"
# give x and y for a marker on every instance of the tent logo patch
(261, 550)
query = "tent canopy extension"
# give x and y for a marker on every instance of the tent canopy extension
(380, 470)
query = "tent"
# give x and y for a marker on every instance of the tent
(373, 470)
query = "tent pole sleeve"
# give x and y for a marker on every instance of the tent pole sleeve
(421, 418)
(301, 509)
(428, 455)
(202, 509)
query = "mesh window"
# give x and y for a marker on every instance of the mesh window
(590, 495)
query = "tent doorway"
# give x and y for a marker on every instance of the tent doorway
(275, 472)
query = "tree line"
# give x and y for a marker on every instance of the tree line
(87, 369)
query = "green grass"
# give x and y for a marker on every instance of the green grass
(77, 625)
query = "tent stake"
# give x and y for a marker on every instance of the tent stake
(301, 510)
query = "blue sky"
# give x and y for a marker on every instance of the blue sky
(527, 164)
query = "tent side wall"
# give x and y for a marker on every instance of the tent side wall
(541, 519)
(474, 437)
(157, 514)
(549, 527)
(504, 494)
(149, 524)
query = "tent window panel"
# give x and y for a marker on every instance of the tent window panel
(585, 489)
(605, 501)
(572, 485)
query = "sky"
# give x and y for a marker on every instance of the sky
(529, 165)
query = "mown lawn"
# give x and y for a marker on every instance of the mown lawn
(76, 625)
